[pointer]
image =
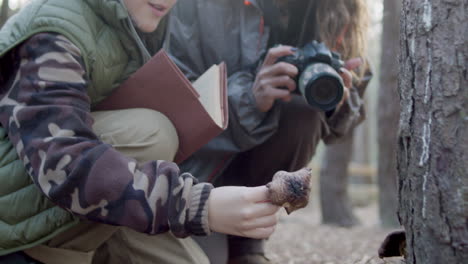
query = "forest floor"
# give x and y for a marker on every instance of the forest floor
(301, 238)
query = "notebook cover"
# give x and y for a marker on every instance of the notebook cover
(161, 86)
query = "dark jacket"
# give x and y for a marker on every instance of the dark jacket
(206, 32)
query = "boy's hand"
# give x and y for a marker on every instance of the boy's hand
(242, 211)
(272, 77)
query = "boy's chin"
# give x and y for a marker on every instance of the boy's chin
(148, 27)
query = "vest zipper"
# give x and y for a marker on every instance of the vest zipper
(145, 55)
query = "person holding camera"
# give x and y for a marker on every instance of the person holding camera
(266, 45)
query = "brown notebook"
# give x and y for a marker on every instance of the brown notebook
(198, 110)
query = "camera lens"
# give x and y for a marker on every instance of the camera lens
(324, 90)
(321, 86)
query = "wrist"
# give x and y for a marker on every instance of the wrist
(198, 209)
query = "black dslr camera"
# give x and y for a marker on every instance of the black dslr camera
(318, 79)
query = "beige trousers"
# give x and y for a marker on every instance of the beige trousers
(144, 135)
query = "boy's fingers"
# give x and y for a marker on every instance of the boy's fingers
(257, 194)
(262, 222)
(262, 209)
(260, 233)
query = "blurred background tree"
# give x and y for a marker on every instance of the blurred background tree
(334, 178)
(388, 111)
(348, 169)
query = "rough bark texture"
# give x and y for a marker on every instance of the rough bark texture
(334, 199)
(433, 140)
(388, 115)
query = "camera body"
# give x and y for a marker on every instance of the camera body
(318, 79)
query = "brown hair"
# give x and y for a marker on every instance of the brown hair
(342, 25)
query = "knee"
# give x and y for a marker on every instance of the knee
(142, 134)
(159, 134)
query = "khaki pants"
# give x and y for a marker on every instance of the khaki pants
(144, 135)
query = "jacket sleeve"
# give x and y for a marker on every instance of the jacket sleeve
(46, 111)
(248, 127)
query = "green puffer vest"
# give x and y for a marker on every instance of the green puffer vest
(103, 31)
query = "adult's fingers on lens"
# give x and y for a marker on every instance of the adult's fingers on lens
(277, 52)
(283, 81)
(277, 93)
(283, 68)
(347, 77)
(353, 63)
(345, 97)
(346, 94)
(287, 98)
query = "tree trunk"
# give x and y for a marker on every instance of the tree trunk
(388, 116)
(433, 140)
(334, 198)
(4, 12)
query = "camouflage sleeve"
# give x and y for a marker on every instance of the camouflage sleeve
(46, 110)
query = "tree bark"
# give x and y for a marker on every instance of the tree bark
(433, 139)
(334, 198)
(4, 12)
(388, 116)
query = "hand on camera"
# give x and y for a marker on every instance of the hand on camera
(242, 211)
(347, 77)
(271, 76)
